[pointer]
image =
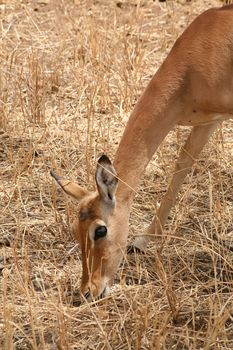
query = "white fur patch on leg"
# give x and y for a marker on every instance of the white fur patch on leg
(141, 243)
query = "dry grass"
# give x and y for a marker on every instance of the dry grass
(71, 72)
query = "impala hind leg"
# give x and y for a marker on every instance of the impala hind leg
(193, 146)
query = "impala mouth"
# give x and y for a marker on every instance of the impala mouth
(103, 294)
(89, 297)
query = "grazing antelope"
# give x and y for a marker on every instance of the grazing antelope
(193, 86)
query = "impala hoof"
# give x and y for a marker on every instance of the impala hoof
(131, 249)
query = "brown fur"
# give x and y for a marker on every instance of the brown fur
(194, 86)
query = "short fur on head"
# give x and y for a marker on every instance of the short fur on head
(91, 227)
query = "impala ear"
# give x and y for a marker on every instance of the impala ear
(106, 179)
(71, 188)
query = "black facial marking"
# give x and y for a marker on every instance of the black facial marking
(85, 214)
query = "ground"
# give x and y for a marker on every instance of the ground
(71, 72)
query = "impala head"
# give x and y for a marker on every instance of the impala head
(100, 228)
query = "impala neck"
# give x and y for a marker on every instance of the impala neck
(152, 118)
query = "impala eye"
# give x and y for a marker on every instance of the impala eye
(100, 232)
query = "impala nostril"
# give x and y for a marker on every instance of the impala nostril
(87, 294)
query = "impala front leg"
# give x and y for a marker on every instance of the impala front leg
(195, 143)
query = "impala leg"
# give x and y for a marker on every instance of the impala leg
(193, 146)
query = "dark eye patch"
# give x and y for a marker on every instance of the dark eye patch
(85, 214)
(100, 231)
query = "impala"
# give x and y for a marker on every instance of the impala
(193, 86)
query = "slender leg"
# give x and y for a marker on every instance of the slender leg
(193, 146)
